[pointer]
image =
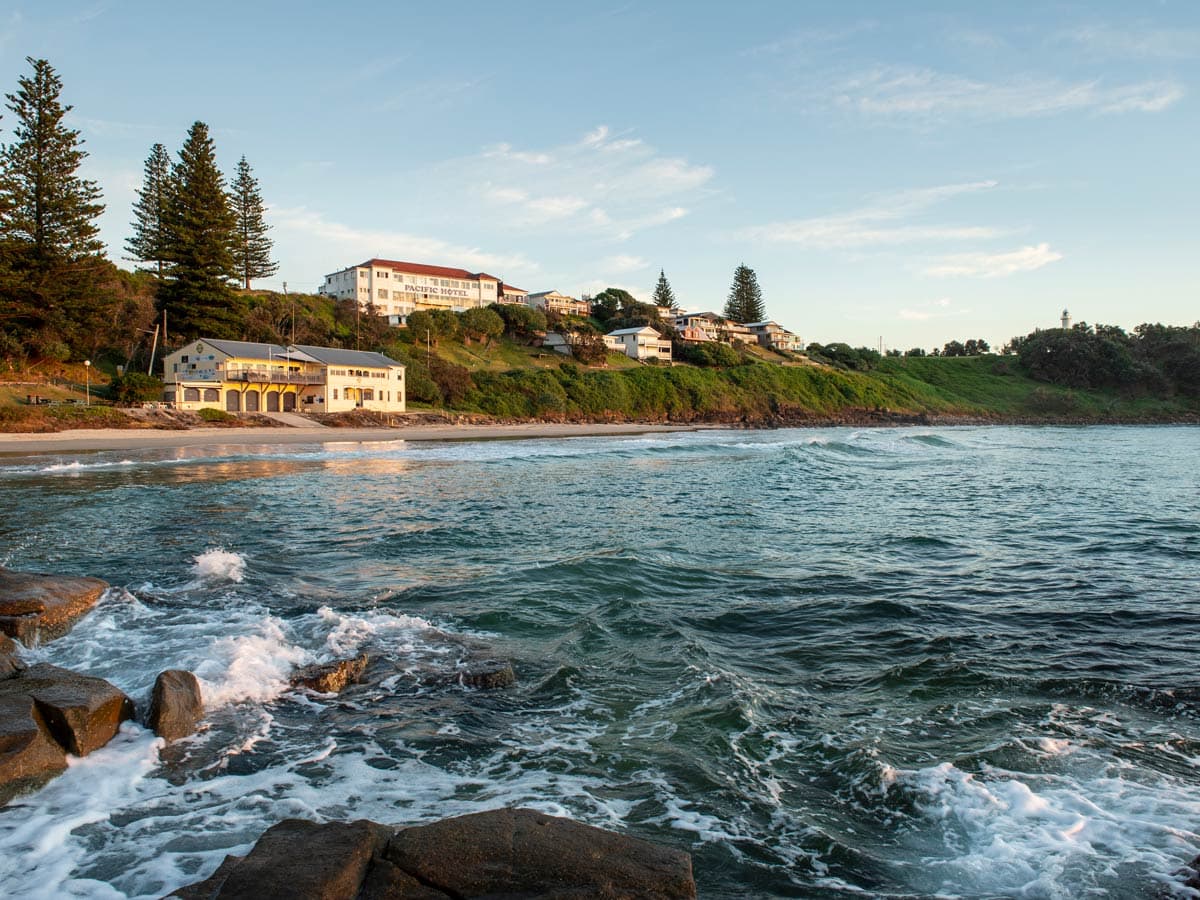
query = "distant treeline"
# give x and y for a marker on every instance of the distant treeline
(1158, 360)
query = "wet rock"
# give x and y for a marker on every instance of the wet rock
(1192, 871)
(296, 858)
(331, 677)
(502, 853)
(520, 852)
(175, 705)
(487, 675)
(82, 713)
(29, 755)
(10, 662)
(36, 608)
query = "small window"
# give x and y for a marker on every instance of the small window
(383, 293)
(335, 393)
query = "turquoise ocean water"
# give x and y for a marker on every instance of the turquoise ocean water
(896, 663)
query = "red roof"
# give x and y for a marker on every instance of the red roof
(505, 288)
(421, 269)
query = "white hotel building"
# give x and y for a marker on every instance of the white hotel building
(399, 288)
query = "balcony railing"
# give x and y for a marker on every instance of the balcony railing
(264, 376)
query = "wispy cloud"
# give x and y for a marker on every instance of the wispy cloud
(941, 308)
(921, 92)
(1135, 42)
(351, 242)
(886, 222)
(803, 40)
(609, 184)
(87, 15)
(623, 263)
(994, 265)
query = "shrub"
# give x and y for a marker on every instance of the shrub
(208, 414)
(135, 387)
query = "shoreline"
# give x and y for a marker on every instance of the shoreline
(13, 444)
(96, 439)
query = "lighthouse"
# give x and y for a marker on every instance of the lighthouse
(1066, 320)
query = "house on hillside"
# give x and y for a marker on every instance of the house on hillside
(553, 301)
(241, 376)
(642, 343)
(698, 326)
(510, 294)
(774, 336)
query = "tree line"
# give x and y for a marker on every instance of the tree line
(60, 298)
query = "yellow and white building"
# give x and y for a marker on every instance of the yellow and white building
(240, 376)
(397, 289)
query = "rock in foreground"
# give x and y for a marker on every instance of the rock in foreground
(502, 853)
(331, 677)
(36, 608)
(47, 712)
(175, 705)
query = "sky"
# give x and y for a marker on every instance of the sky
(896, 173)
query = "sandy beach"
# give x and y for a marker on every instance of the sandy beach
(139, 439)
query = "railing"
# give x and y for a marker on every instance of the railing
(267, 377)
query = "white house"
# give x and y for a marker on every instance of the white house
(241, 376)
(639, 343)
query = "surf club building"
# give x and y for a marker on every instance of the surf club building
(396, 288)
(240, 376)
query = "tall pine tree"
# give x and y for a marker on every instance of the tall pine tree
(663, 295)
(52, 298)
(201, 229)
(149, 241)
(745, 303)
(252, 248)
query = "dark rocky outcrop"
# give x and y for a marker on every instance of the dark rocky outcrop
(487, 674)
(503, 853)
(331, 677)
(83, 713)
(1192, 871)
(36, 608)
(47, 712)
(29, 755)
(10, 662)
(175, 705)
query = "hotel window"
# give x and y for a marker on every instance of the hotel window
(362, 274)
(335, 393)
(382, 293)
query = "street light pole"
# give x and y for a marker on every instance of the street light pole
(87, 368)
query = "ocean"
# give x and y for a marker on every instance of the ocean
(908, 662)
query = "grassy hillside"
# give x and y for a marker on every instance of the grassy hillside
(511, 381)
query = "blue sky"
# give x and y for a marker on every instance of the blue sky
(915, 172)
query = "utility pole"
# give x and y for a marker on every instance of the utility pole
(293, 302)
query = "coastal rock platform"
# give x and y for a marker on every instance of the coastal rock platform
(499, 853)
(36, 608)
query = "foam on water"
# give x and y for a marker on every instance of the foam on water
(219, 563)
(1049, 835)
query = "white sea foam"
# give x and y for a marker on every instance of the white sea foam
(218, 563)
(1049, 836)
(250, 667)
(76, 466)
(348, 632)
